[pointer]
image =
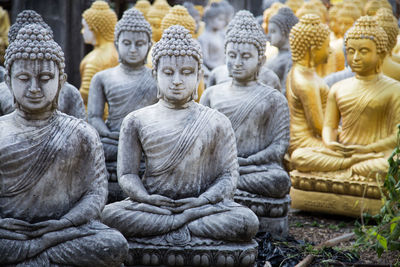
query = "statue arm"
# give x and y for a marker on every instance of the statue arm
(205, 99)
(87, 73)
(332, 119)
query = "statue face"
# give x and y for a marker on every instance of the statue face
(35, 84)
(242, 61)
(333, 25)
(275, 36)
(88, 36)
(344, 23)
(320, 56)
(218, 22)
(177, 78)
(362, 56)
(133, 47)
(155, 24)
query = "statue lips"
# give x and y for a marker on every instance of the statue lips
(176, 90)
(35, 99)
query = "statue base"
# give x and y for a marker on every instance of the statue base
(225, 254)
(271, 212)
(332, 203)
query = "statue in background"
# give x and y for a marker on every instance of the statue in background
(125, 88)
(354, 155)
(200, 25)
(143, 6)
(270, 50)
(181, 211)
(98, 23)
(52, 168)
(294, 5)
(4, 27)
(260, 118)
(155, 15)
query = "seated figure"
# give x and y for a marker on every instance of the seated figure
(279, 27)
(260, 118)
(359, 130)
(52, 168)
(306, 91)
(126, 87)
(184, 200)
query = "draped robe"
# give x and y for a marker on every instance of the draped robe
(6, 100)
(260, 119)
(43, 177)
(189, 152)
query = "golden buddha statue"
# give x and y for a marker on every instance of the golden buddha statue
(4, 27)
(322, 8)
(294, 5)
(306, 91)
(359, 133)
(333, 22)
(155, 15)
(386, 20)
(372, 6)
(310, 8)
(143, 6)
(98, 25)
(270, 51)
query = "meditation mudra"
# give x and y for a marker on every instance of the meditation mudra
(259, 114)
(185, 195)
(52, 168)
(360, 126)
(126, 87)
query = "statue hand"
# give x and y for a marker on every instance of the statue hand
(113, 135)
(243, 161)
(357, 149)
(340, 148)
(16, 225)
(189, 203)
(158, 200)
(49, 226)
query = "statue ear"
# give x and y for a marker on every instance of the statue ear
(7, 80)
(195, 94)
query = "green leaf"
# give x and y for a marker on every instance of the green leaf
(382, 241)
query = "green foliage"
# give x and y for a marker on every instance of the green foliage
(384, 235)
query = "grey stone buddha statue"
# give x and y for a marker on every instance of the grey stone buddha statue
(69, 100)
(260, 118)
(181, 212)
(52, 168)
(126, 87)
(278, 35)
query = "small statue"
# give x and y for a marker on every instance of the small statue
(260, 118)
(69, 99)
(294, 5)
(372, 6)
(143, 6)
(279, 27)
(354, 154)
(52, 168)
(98, 23)
(306, 91)
(212, 40)
(4, 27)
(155, 15)
(183, 204)
(270, 50)
(200, 25)
(126, 87)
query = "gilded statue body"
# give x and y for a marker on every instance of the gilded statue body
(253, 109)
(175, 205)
(306, 91)
(98, 23)
(368, 107)
(52, 169)
(126, 87)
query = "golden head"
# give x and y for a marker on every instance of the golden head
(322, 8)
(309, 8)
(143, 6)
(308, 35)
(372, 6)
(178, 15)
(101, 20)
(346, 17)
(269, 12)
(155, 15)
(333, 23)
(294, 5)
(388, 22)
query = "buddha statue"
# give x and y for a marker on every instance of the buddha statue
(69, 99)
(372, 6)
(333, 23)
(200, 25)
(52, 168)
(262, 139)
(143, 6)
(386, 20)
(125, 88)
(359, 132)
(212, 39)
(181, 212)
(4, 27)
(229, 11)
(294, 5)
(306, 91)
(98, 23)
(155, 15)
(279, 27)
(270, 50)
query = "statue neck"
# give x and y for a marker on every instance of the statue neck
(244, 84)
(34, 119)
(171, 105)
(306, 61)
(368, 78)
(101, 42)
(129, 69)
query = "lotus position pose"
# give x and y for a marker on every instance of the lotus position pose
(306, 91)
(259, 114)
(368, 106)
(191, 164)
(52, 168)
(126, 87)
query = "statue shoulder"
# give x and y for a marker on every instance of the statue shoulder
(84, 132)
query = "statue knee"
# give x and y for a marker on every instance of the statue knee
(112, 247)
(250, 224)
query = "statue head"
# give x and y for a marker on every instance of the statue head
(372, 6)
(194, 13)
(132, 38)
(269, 13)
(244, 47)
(214, 17)
(279, 27)
(388, 23)
(294, 5)
(346, 17)
(98, 23)
(309, 8)
(143, 6)
(333, 23)
(24, 18)
(35, 69)
(229, 11)
(177, 61)
(155, 15)
(365, 46)
(178, 15)
(309, 41)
